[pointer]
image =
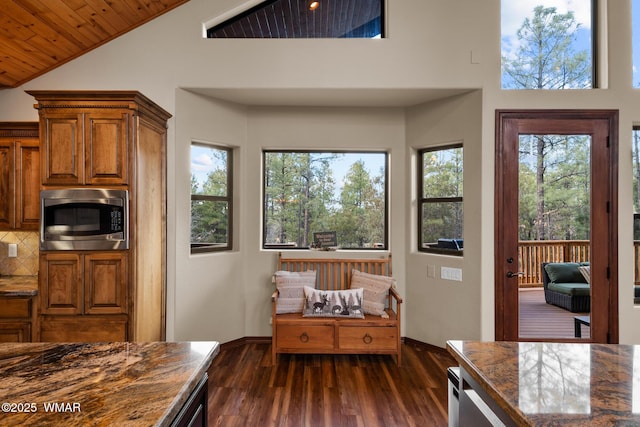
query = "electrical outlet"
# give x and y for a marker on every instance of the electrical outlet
(13, 250)
(449, 273)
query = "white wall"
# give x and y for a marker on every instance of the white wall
(433, 303)
(429, 47)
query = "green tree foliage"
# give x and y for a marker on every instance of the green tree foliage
(545, 58)
(554, 190)
(442, 217)
(563, 191)
(210, 214)
(301, 198)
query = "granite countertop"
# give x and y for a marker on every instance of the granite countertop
(557, 383)
(123, 384)
(18, 286)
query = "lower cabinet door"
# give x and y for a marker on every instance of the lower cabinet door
(367, 338)
(312, 337)
(15, 332)
(83, 329)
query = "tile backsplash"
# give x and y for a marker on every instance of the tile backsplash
(26, 263)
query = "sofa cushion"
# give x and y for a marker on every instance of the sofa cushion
(564, 272)
(573, 289)
(343, 303)
(376, 289)
(290, 287)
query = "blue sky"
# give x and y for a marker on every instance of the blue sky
(514, 12)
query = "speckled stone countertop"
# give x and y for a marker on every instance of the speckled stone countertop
(103, 384)
(18, 286)
(556, 383)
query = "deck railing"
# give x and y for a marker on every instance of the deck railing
(531, 254)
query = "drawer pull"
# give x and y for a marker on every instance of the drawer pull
(304, 337)
(367, 339)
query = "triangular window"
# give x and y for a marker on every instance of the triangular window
(305, 19)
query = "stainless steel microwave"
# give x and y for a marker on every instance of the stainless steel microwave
(84, 219)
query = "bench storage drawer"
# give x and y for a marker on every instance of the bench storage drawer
(318, 337)
(367, 338)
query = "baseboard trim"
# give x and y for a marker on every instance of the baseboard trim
(267, 340)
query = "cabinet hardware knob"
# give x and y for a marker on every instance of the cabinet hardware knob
(304, 337)
(367, 339)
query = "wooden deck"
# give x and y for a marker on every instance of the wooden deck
(541, 320)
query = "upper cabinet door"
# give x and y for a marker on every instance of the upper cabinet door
(28, 184)
(106, 136)
(6, 184)
(62, 149)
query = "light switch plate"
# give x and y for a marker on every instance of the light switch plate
(13, 250)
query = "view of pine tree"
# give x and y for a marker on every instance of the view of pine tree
(545, 57)
(301, 198)
(360, 220)
(442, 172)
(209, 214)
(554, 187)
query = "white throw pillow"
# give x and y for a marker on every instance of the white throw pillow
(376, 289)
(290, 285)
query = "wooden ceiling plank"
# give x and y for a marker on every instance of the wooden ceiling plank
(121, 22)
(65, 21)
(12, 29)
(99, 24)
(24, 52)
(41, 29)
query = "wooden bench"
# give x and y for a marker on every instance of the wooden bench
(293, 333)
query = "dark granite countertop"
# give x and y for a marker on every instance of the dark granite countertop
(119, 384)
(18, 286)
(557, 383)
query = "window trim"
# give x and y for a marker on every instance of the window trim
(421, 200)
(279, 247)
(215, 247)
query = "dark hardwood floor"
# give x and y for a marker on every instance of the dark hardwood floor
(326, 390)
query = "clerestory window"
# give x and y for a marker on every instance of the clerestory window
(548, 46)
(281, 19)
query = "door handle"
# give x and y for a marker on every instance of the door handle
(511, 274)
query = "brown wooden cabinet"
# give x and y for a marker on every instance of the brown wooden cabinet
(111, 139)
(16, 317)
(85, 148)
(80, 291)
(19, 176)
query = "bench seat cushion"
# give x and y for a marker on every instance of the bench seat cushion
(564, 272)
(573, 289)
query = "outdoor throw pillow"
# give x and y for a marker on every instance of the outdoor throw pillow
(564, 272)
(344, 303)
(376, 289)
(290, 285)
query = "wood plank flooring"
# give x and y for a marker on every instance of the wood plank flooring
(541, 320)
(326, 390)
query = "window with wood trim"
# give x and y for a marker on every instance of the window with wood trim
(440, 208)
(211, 198)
